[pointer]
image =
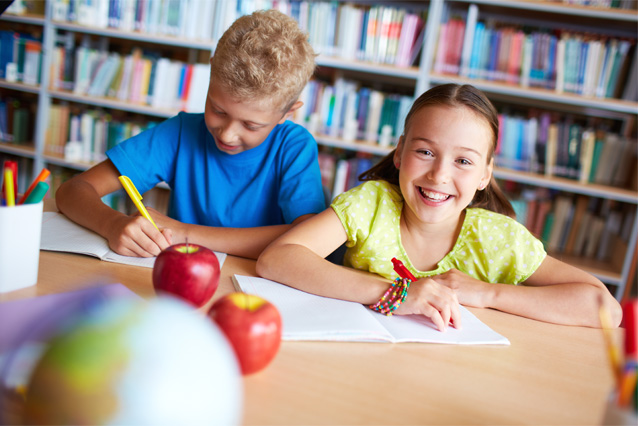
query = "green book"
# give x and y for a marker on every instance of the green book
(20, 125)
(598, 147)
(547, 229)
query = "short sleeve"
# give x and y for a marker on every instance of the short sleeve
(300, 178)
(498, 249)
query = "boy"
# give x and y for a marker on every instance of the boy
(240, 174)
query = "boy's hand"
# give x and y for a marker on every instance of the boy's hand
(435, 301)
(136, 236)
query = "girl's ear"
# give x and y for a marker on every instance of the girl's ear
(398, 152)
(487, 177)
(292, 109)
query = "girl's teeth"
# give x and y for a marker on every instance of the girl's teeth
(433, 195)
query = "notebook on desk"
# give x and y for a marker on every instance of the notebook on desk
(307, 316)
(61, 234)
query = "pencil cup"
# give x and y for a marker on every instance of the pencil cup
(20, 229)
(618, 416)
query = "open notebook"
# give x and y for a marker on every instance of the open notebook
(307, 316)
(61, 234)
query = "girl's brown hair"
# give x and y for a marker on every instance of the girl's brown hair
(453, 95)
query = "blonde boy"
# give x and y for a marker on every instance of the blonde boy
(240, 174)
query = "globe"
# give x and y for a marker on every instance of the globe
(135, 362)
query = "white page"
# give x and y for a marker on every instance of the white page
(307, 316)
(418, 328)
(61, 234)
(310, 317)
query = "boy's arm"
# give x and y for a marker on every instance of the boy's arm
(556, 292)
(79, 199)
(243, 242)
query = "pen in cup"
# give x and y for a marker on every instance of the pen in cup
(44, 174)
(8, 187)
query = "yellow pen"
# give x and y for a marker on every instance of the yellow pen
(8, 187)
(135, 197)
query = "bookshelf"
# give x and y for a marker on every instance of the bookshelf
(345, 69)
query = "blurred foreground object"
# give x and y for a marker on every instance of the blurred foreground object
(137, 363)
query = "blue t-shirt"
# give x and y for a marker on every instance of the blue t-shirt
(271, 184)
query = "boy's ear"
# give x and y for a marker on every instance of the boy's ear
(290, 111)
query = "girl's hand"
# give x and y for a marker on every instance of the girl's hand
(136, 236)
(435, 301)
(470, 291)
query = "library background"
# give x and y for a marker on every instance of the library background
(79, 76)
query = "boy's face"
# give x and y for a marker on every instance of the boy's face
(238, 126)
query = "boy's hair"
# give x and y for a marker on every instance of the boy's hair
(453, 95)
(265, 57)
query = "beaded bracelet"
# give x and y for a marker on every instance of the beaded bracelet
(393, 297)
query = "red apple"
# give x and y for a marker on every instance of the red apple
(253, 327)
(189, 271)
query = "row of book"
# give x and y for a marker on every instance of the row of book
(340, 173)
(141, 77)
(381, 34)
(20, 57)
(566, 62)
(17, 118)
(376, 33)
(84, 136)
(567, 148)
(191, 19)
(348, 111)
(576, 225)
(611, 4)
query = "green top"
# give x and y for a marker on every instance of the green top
(491, 247)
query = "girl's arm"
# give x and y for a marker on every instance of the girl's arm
(557, 292)
(297, 259)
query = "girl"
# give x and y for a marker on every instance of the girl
(414, 206)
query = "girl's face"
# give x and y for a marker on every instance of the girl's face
(443, 159)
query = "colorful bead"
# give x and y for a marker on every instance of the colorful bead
(398, 292)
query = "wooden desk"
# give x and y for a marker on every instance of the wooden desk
(549, 375)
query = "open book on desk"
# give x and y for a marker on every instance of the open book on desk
(307, 316)
(61, 234)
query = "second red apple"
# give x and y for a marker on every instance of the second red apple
(253, 327)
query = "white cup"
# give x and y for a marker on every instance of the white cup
(20, 230)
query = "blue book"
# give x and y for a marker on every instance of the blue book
(550, 72)
(364, 35)
(6, 51)
(493, 58)
(362, 111)
(476, 49)
(584, 48)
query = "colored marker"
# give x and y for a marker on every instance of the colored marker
(38, 193)
(400, 269)
(13, 166)
(136, 198)
(8, 188)
(41, 178)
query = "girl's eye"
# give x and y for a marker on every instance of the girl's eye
(424, 151)
(464, 161)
